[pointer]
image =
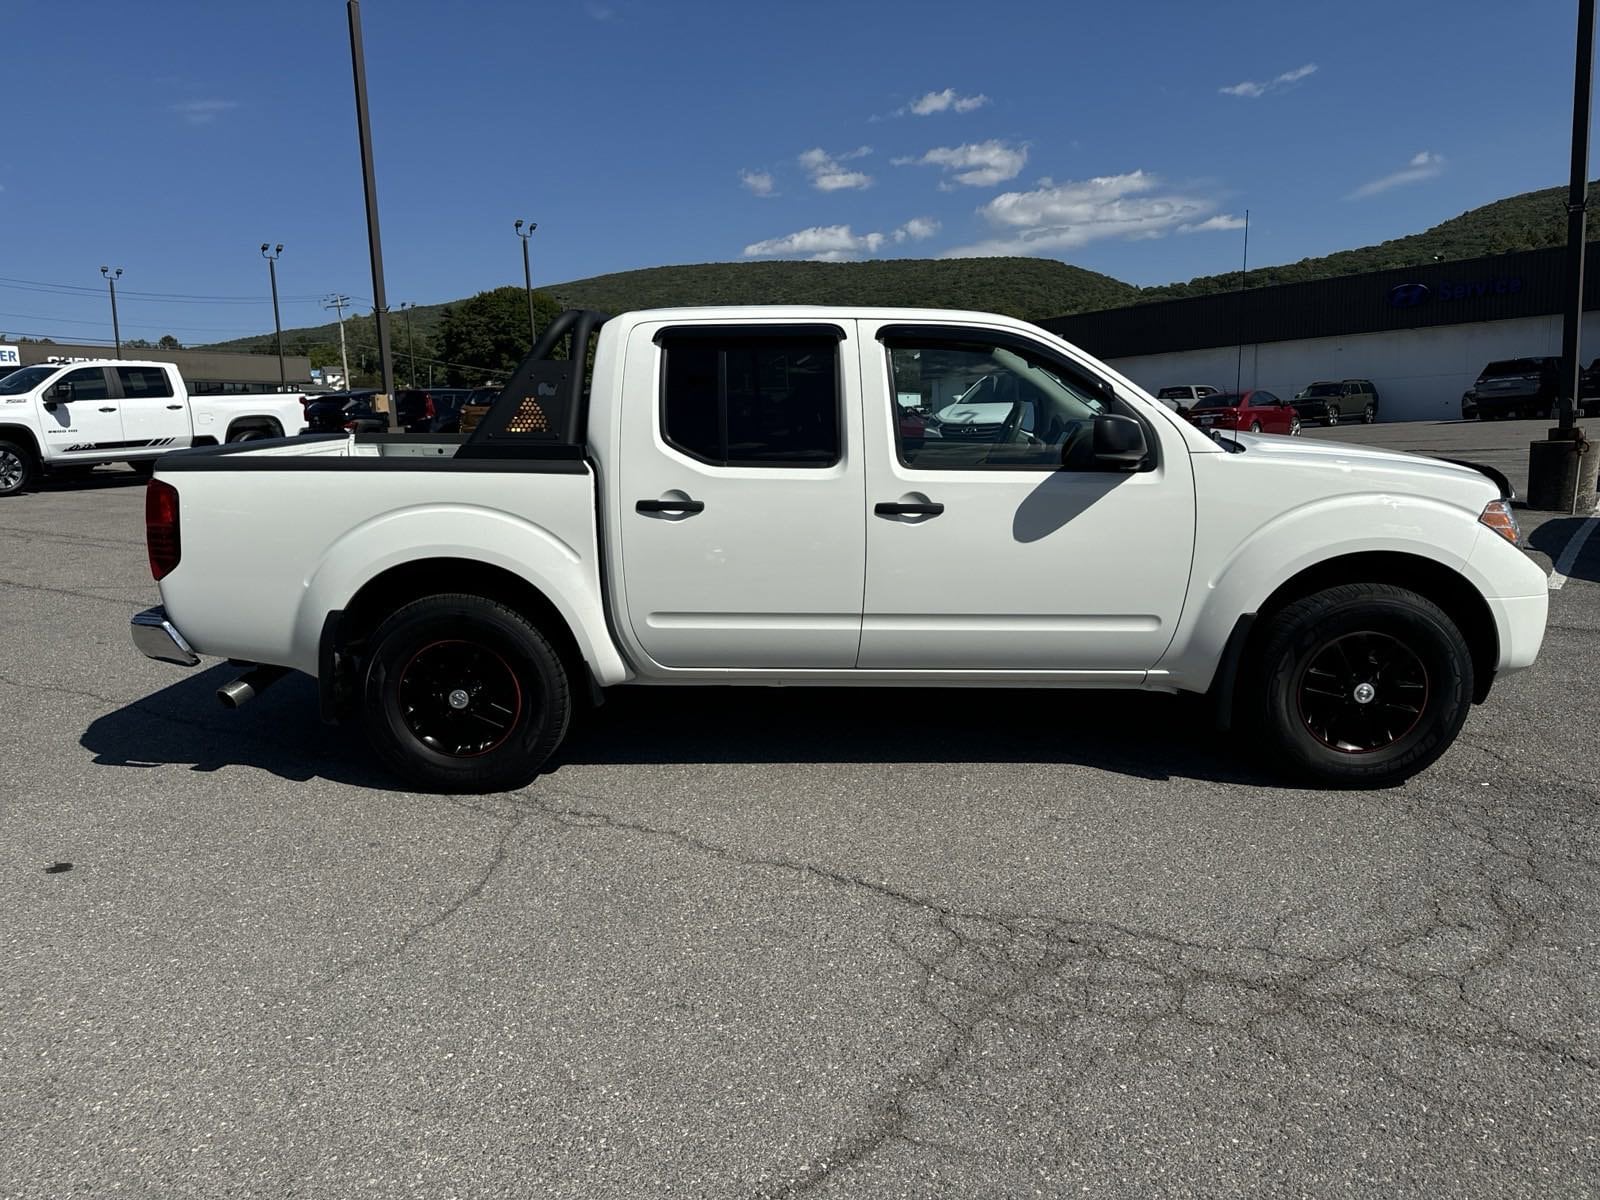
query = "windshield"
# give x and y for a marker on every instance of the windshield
(1322, 389)
(25, 380)
(1173, 393)
(1511, 366)
(1221, 400)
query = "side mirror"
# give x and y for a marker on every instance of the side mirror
(1119, 442)
(60, 394)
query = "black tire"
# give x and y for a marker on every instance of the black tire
(1255, 426)
(145, 467)
(1332, 417)
(19, 470)
(1361, 685)
(1369, 414)
(515, 703)
(253, 433)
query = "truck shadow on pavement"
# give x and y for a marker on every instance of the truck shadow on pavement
(1552, 539)
(1143, 736)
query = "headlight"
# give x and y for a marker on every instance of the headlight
(1497, 515)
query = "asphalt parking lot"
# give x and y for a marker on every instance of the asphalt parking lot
(763, 943)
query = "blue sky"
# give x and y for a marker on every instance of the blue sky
(172, 137)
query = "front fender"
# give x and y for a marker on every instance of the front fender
(1236, 576)
(565, 574)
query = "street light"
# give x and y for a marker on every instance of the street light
(272, 271)
(111, 282)
(527, 275)
(411, 345)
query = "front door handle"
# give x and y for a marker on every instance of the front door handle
(174, 407)
(893, 508)
(670, 506)
(113, 408)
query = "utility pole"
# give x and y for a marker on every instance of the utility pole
(527, 275)
(380, 305)
(111, 281)
(338, 302)
(272, 271)
(1561, 469)
(411, 343)
(1244, 268)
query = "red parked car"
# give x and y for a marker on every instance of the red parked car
(1255, 411)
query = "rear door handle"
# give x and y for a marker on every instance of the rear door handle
(670, 506)
(174, 407)
(113, 408)
(892, 508)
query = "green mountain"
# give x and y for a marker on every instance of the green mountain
(1526, 222)
(1030, 288)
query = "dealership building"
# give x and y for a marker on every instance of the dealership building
(205, 372)
(1420, 334)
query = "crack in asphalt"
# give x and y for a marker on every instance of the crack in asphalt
(1045, 973)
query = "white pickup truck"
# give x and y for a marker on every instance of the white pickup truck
(68, 417)
(750, 496)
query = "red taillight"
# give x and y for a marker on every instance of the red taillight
(352, 426)
(161, 528)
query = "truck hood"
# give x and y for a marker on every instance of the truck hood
(1409, 472)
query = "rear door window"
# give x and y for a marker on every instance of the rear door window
(144, 382)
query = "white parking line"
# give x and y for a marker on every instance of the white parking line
(1569, 556)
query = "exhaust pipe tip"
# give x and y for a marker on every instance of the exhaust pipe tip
(235, 694)
(245, 688)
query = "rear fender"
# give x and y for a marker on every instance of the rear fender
(556, 569)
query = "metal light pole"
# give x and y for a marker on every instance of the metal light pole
(338, 302)
(380, 305)
(411, 343)
(272, 272)
(1244, 269)
(527, 274)
(1561, 469)
(111, 282)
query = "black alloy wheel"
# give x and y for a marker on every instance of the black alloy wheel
(1361, 692)
(460, 699)
(1363, 684)
(464, 694)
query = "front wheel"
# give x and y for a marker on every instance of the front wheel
(1362, 685)
(464, 695)
(1332, 418)
(17, 468)
(1255, 426)
(1294, 425)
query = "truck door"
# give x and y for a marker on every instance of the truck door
(996, 543)
(80, 417)
(154, 413)
(741, 491)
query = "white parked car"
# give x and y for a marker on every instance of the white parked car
(72, 416)
(748, 496)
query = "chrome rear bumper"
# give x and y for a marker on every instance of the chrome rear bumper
(156, 637)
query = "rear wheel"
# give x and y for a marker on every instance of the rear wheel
(18, 469)
(464, 695)
(1369, 414)
(1362, 685)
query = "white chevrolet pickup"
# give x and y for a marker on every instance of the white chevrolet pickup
(66, 417)
(770, 496)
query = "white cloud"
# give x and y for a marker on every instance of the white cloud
(1423, 165)
(1252, 90)
(758, 182)
(945, 101)
(1067, 215)
(828, 174)
(829, 242)
(977, 164)
(1222, 221)
(203, 112)
(917, 229)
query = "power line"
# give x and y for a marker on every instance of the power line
(24, 284)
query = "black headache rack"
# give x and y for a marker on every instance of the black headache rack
(543, 412)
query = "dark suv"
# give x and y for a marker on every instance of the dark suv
(1527, 387)
(1331, 401)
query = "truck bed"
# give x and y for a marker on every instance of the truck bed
(277, 534)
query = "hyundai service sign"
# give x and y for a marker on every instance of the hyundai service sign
(10, 358)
